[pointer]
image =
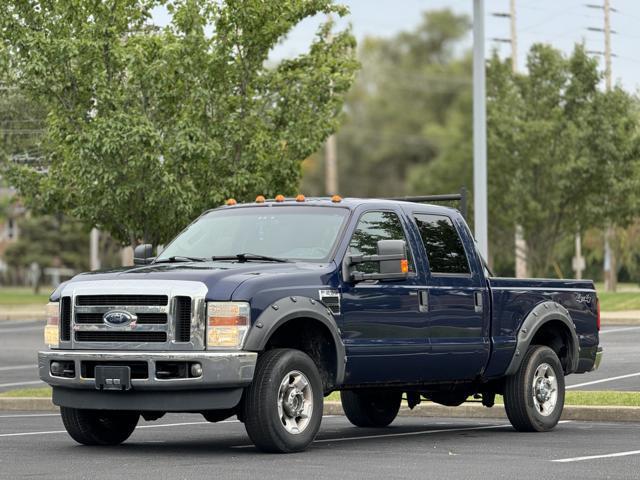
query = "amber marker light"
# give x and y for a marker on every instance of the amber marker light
(260, 199)
(279, 198)
(231, 201)
(404, 266)
(336, 199)
(300, 198)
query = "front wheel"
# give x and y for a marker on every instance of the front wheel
(282, 407)
(371, 408)
(534, 396)
(98, 427)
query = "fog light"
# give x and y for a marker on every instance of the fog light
(56, 368)
(196, 370)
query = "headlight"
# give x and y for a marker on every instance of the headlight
(51, 329)
(227, 324)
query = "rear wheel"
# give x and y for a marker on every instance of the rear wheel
(98, 427)
(371, 408)
(534, 396)
(282, 408)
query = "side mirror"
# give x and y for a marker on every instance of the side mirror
(392, 257)
(143, 254)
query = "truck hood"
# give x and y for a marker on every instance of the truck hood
(221, 278)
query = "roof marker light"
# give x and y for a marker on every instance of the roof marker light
(231, 201)
(300, 198)
(336, 199)
(260, 199)
(279, 198)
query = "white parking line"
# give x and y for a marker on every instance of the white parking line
(49, 432)
(18, 367)
(20, 384)
(595, 457)
(20, 329)
(616, 330)
(22, 415)
(610, 379)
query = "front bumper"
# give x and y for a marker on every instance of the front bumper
(219, 369)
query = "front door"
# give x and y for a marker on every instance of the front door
(383, 326)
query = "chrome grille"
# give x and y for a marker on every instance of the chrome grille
(167, 315)
(115, 300)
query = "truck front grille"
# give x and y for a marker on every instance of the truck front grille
(116, 337)
(183, 319)
(143, 318)
(65, 319)
(160, 315)
(118, 300)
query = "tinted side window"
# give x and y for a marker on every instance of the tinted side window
(374, 226)
(442, 243)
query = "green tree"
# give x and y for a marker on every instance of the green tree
(398, 114)
(49, 241)
(149, 126)
(563, 154)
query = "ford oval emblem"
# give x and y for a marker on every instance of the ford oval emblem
(118, 318)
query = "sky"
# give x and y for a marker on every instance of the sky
(560, 23)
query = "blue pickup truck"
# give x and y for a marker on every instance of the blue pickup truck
(260, 310)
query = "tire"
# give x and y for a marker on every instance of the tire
(99, 427)
(534, 396)
(375, 409)
(282, 408)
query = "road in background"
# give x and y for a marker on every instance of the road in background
(621, 359)
(185, 446)
(20, 342)
(19, 345)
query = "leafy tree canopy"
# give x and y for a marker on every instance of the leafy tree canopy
(398, 112)
(148, 126)
(563, 154)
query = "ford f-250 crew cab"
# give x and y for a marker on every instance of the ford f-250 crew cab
(260, 310)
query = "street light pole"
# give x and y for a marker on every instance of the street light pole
(479, 132)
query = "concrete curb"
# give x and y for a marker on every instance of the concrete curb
(581, 413)
(27, 404)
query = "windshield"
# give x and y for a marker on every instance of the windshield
(291, 233)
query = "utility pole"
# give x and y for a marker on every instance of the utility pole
(331, 166)
(331, 153)
(610, 268)
(522, 270)
(481, 230)
(94, 249)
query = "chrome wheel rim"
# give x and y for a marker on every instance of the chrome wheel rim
(545, 389)
(295, 402)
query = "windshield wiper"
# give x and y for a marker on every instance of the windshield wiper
(248, 257)
(180, 258)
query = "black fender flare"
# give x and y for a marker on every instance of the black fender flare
(541, 314)
(289, 308)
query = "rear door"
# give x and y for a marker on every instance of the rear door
(458, 300)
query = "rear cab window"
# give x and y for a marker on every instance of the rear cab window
(372, 227)
(443, 245)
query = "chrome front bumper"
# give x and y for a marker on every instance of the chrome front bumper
(219, 369)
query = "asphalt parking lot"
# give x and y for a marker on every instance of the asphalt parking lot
(186, 447)
(620, 369)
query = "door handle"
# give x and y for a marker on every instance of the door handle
(478, 301)
(423, 299)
